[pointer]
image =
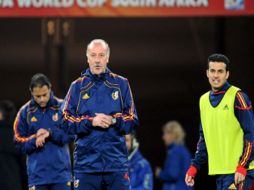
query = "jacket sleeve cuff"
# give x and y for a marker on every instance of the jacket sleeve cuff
(89, 123)
(84, 127)
(30, 146)
(33, 142)
(240, 169)
(192, 171)
(119, 122)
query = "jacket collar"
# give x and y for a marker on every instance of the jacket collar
(134, 150)
(223, 89)
(101, 77)
(135, 154)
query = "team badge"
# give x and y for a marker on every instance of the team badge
(55, 117)
(115, 95)
(85, 97)
(32, 188)
(76, 183)
(33, 119)
(232, 186)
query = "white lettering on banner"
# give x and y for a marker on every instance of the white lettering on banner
(183, 3)
(90, 3)
(6, 3)
(133, 3)
(100, 3)
(45, 3)
(24, 3)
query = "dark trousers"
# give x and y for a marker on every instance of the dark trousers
(225, 182)
(102, 181)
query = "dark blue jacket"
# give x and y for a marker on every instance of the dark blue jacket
(175, 167)
(51, 163)
(141, 174)
(97, 149)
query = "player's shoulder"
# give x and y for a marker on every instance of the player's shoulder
(80, 80)
(242, 100)
(240, 94)
(27, 107)
(118, 79)
(57, 102)
(235, 88)
(117, 76)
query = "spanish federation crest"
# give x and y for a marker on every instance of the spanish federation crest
(76, 183)
(115, 95)
(55, 117)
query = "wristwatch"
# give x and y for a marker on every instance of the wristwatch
(113, 120)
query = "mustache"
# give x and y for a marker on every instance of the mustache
(97, 64)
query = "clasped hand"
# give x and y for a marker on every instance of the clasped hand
(102, 120)
(41, 136)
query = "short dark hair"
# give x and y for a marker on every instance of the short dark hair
(39, 80)
(219, 58)
(8, 109)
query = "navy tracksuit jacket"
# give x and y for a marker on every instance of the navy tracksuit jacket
(97, 149)
(51, 163)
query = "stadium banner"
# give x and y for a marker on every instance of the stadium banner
(124, 8)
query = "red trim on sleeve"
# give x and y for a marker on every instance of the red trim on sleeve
(241, 108)
(17, 136)
(247, 153)
(241, 100)
(76, 119)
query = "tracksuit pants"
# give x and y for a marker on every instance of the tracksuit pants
(226, 182)
(102, 181)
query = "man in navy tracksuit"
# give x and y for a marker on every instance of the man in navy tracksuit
(99, 109)
(38, 134)
(141, 175)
